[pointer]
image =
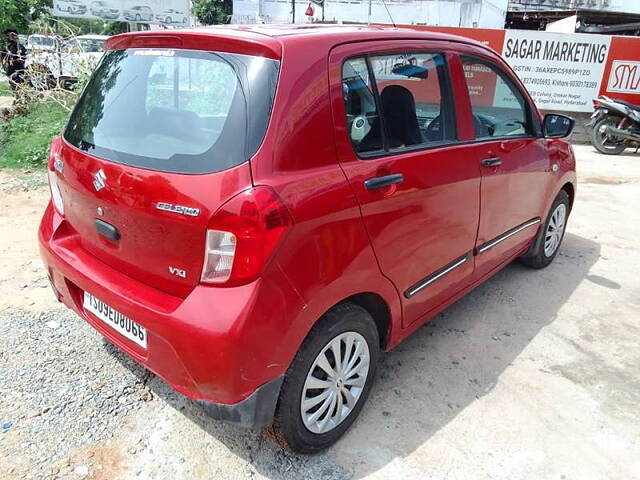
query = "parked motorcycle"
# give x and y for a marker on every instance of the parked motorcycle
(614, 125)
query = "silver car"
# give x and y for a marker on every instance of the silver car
(138, 13)
(172, 16)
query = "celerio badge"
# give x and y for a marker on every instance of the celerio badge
(99, 180)
(181, 209)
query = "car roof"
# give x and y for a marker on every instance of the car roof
(271, 39)
(357, 32)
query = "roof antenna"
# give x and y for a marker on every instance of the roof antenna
(388, 13)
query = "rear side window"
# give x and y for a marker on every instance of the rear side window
(498, 107)
(406, 103)
(360, 106)
(175, 110)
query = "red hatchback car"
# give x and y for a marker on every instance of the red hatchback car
(255, 213)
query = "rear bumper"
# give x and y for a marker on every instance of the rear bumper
(216, 346)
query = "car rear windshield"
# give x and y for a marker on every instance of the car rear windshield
(171, 110)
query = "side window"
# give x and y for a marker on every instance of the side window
(360, 106)
(411, 89)
(498, 107)
(405, 106)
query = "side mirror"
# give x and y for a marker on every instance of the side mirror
(557, 126)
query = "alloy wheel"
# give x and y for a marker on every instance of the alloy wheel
(335, 382)
(38, 79)
(555, 230)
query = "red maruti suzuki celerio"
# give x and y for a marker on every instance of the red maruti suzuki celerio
(254, 213)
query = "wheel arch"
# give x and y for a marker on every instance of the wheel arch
(379, 311)
(571, 192)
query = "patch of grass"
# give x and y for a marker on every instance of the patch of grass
(25, 139)
(5, 90)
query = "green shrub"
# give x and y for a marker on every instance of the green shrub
(5, 89)
(25, 139)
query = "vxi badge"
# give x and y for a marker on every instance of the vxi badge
(178, 272)
(182, 210)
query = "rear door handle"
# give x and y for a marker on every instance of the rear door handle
(491, 162)
(380, 182)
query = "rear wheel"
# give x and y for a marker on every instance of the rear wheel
(602, 141)
(550, 235)
(328, 382)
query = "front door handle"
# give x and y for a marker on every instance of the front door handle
(380, 182)
(491, 162)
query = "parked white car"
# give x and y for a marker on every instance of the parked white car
(75, 57)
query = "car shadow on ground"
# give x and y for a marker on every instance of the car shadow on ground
(429, 379)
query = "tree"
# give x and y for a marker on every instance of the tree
(85, 26)
(19, 14)
(211, 12)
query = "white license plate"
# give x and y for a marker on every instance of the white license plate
(116, 320)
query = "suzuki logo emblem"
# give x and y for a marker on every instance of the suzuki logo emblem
(99, 180)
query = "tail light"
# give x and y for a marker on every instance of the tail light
(55, 164)
(242, 235)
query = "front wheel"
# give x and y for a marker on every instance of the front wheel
(328, 381)
(547, 242)
(40, 77)
(602, 141)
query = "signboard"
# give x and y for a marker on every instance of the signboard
(624, 77)
(561, 71)
(169, 12)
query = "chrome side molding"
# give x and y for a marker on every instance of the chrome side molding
(425, 282)
(509, 233)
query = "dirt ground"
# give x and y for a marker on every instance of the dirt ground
(534, 375)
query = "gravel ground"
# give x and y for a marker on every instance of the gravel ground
(62, 389)
(73, 401)
(534, 375)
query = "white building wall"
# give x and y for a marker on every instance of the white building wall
(453, 13)
(624, 6)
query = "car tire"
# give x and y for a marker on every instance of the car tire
(351, 328)
(547, 243)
